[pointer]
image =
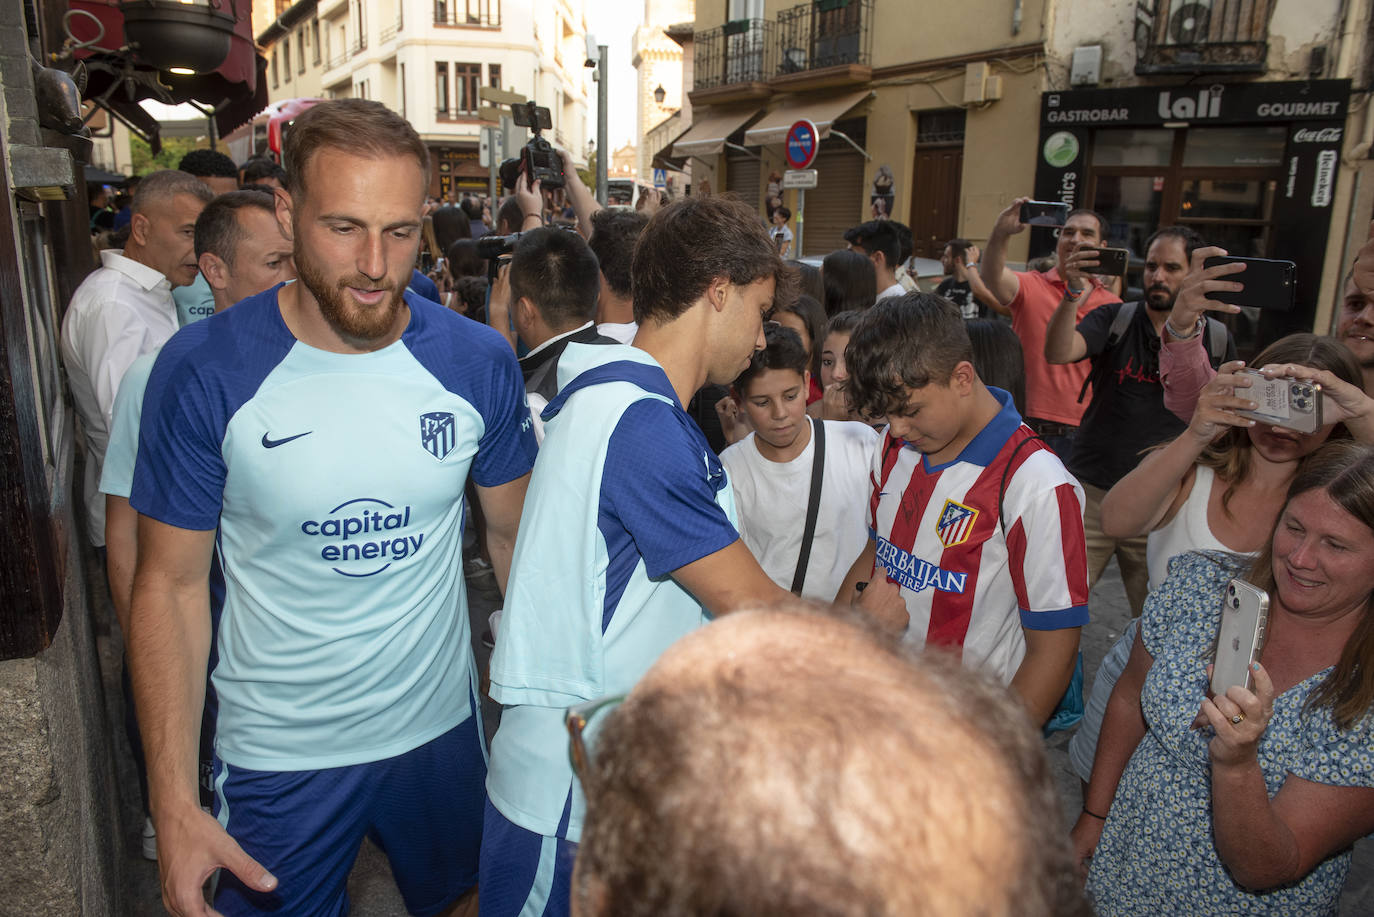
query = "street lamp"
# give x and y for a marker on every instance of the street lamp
(182, 37)
(659, 94)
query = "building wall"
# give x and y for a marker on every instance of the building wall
(658, 61)
(1298, 29)
(538, 47)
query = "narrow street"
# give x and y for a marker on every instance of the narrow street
(373, 893)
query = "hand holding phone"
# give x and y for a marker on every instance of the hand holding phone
(1244, 616)
(1266, 284)
(1294, 404)
(1111, 262)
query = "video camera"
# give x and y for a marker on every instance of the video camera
(542, 162)
(494, 248)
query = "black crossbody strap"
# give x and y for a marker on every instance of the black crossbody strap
(813, 505)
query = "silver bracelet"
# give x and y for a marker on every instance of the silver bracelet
(1197, 329)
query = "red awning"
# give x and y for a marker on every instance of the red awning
(235, 90)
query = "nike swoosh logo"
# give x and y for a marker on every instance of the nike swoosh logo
(274, 443)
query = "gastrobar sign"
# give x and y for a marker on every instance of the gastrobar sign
(1220, 103)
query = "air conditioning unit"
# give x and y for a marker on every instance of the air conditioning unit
(1086, 69)
(1188, 22)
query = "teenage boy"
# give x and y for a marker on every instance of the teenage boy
(977, 528)
(772, 472)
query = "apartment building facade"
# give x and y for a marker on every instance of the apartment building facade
(428, 59)
(1243, 118)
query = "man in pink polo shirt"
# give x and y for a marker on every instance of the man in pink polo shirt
(1053, 410)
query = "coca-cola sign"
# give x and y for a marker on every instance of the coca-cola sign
(1319, 135)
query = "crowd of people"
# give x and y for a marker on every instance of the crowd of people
(794, 561)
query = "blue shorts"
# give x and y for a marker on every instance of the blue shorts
(523, 873)
(422, 808)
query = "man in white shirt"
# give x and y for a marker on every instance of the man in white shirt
(771, 472)
(124, 309)
(878, 239)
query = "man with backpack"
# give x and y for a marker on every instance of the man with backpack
(1126, 416)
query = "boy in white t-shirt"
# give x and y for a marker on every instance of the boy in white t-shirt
(781, 234)
(771, 472)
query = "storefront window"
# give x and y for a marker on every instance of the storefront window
(1225, 199)
(1133, 147)
(1133, 204)
(1234, 146)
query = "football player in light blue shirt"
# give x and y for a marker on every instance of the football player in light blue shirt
(240, 246)
(627, 541)
(319, 436)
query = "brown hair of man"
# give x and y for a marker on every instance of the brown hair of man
(357, 126)
(694, 241)
(903, 343)
(790, 762)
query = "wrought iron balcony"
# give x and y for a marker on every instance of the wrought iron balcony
(824, 34)
(1198, 36)
(737, 52)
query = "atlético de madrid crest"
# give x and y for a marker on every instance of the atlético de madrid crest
(955, 523)
(437, 434)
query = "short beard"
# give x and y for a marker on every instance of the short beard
(355, 323)
(1167, 306)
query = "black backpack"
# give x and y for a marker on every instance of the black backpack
(1216, 340)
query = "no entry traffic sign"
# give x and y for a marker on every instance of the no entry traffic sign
(802, 142)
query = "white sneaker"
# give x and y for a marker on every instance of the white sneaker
(149, 840)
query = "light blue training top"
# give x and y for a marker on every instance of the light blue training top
(117, 474)
(626, 490)
(194, 302)
(336, 481)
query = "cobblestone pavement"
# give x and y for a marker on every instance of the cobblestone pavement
(373, 893)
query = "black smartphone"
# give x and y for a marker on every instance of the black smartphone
(1044, 213)
(1269, 283)
(1111, 262)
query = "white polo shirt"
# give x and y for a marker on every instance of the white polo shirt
(121, 311)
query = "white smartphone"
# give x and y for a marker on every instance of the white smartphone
(1292, 403)
(1244, 614)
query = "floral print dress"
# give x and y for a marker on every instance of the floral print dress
(1156, 856)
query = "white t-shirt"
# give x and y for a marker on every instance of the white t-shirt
(895, 290)
(771, 498)
(621, 332)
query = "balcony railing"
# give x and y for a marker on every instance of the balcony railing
(337, 60)
(359, 45)
(1224, 36)
(824, 33)
(741, 51)
(394, 29)
(476, 14)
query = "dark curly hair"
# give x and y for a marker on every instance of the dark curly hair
(903, 343)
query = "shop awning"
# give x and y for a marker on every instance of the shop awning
(708, 133)
(821, 112)
(668, 158)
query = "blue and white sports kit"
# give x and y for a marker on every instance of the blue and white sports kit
(336, 483)
(626, 491)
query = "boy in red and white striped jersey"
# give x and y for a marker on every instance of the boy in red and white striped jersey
(976, 528)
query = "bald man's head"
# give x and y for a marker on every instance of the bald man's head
(789, 762)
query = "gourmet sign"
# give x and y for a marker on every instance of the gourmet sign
(1220, 103)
